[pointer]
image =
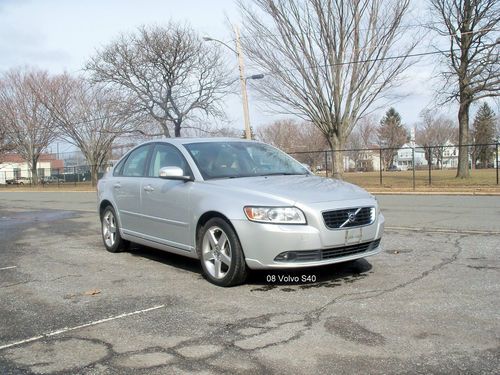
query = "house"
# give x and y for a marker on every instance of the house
(368, 160)
(357, 160)
(404, 156)
(450, 155)
(13, 166)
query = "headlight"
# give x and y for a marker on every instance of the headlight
(275, 215)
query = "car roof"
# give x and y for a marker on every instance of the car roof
(184, 141)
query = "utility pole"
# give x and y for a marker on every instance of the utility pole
(243, 81)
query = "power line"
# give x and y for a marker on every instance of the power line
(266, 36)
(352, 62)
(255, 66)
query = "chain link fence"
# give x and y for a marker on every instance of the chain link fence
(57, 169)
(406, 167)
(75, 175)
(409, 167)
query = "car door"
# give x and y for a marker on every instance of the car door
(166, 203)
(127, 189)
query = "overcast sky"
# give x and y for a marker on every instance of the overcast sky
(60, 35)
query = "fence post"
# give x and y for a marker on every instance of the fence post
(497, 159)
(413, 165)
(333, 163)
(380, 164)
(430, 164)
(326, 163)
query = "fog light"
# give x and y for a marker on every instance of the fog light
(287, 256)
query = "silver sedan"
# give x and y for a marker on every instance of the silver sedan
(235, 205)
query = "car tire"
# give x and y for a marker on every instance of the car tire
(221, 254)
(110, 230)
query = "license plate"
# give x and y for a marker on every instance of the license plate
(353, 235)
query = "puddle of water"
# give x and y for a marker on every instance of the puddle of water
(27, 217)
(12, 222)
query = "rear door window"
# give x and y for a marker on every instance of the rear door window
(135, 165)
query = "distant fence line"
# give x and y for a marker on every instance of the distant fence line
(52, 176)
(418, 158)
(375, 159)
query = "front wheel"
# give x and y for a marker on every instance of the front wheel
(221, 254)
(113, 242)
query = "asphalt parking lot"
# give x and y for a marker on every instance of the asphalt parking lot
(429, 303)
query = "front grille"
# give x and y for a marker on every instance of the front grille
(335, 252)
(348, 218)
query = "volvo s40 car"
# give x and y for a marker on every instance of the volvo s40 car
(235, 205)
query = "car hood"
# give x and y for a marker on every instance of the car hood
(297, 188)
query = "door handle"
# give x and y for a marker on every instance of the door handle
(149, 188)
(117, 185)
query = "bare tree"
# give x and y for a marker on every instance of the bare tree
(433, 132)
(367, 130)
(327, 61)
(355, 145)
(170, 73)
(362, 138)
(211, 130)
(473, 71)
(305, 141)
(5, 142)
(91, 117)
(28, 123)
(391, 136)
(281, 134)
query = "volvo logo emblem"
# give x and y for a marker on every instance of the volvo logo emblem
(351, 218)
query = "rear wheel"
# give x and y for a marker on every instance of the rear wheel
(221, 254)
(113, 242)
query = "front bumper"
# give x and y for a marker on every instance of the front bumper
(262, 243)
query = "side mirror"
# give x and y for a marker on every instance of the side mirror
(174, 173)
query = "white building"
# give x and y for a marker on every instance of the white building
(450, 155)
(369, 160)
(404, 156)
(13, 166)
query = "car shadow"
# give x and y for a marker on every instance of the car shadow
(287, 280)
(328, 276)
(170, 259)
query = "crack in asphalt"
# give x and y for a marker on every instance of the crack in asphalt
(19, 283)
(38, 281)
(270, 330)
(424, 274)
(441, 230)
(230, 337)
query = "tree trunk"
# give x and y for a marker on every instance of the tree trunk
(336, 144)
(34, 172)
(463, 138)
(164, 126)
(94, 170)
(177, 128)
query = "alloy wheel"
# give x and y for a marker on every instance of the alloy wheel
(109, 228)
(216, 252)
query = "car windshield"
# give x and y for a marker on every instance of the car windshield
(242, 159)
